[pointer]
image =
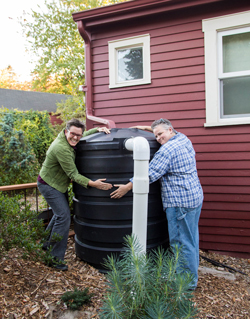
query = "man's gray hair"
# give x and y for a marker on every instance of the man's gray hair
(76, 123)
(164, 123)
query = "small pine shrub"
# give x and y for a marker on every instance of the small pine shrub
(77, 298)
(144, 286)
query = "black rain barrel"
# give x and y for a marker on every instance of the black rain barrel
(101, 223)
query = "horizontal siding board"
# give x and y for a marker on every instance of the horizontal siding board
(175, 64)
(224, 206)
(225, 189)
(183, 54)
(147, 109)
(223, 147)
(225, 223)
(130, 118)
(223, 172)
(219, 180)
(218, 131)
(229, 138)
(176, 46)
(224, 165)
(222, 156)
(178, 89)
(161, 83)
(225, 239)
(190, 71)
(191, 114)
(232, 231)
(178, 37)
(229, 198)
(218, 214)
(151, 100)
(225, 247)
(155, 30)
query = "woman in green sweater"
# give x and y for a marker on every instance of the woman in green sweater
(55, 175)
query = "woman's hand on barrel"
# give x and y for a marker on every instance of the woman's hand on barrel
(121, 190)
(103, 129)
(99, 184)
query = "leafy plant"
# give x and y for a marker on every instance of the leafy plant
(73, 107)
(77, 298)
(147, 286)
(20, 228)
(18, 161)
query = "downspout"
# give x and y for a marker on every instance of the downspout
(87, 88)
(141, 155)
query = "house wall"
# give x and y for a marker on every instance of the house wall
(177, 92)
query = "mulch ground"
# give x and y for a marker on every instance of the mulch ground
(32, 290)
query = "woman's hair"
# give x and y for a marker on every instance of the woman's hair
(76, 123)
(164, 123)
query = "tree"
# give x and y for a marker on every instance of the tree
(54, 37)
(10, 80)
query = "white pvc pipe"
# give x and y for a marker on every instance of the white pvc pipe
(141, 155)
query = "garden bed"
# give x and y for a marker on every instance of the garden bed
(31, 289)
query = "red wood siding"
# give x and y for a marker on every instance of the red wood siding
(177, 92)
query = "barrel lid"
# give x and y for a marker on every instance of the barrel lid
(117, 134)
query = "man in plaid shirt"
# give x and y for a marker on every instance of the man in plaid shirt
(182, 196)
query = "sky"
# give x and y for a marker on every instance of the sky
(12, 42)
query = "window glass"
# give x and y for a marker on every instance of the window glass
(130, 64)
(236, 52)
(129, 61)
(227, 69)
(235, 96)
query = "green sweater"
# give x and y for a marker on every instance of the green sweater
(59, 167)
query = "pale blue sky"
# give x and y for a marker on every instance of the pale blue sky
(12, 43)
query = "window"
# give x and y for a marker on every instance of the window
(227, 69)
(129, 61)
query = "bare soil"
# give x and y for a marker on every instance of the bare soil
(30, 289)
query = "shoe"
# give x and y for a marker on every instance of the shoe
(62, 267)
(44, 247)
(59, 265)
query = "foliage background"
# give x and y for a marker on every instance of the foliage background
(24, 140)
(53, 36)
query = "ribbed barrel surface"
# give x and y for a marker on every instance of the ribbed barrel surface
(101, 223)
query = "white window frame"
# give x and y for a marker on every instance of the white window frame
(212, 28)
(127, 43)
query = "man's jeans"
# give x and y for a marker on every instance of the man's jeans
(60, 222)
(183, 230)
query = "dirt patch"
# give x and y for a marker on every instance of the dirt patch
(32, 290)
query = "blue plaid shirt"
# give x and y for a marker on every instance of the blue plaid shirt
(175, 165)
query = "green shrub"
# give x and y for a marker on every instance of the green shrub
(147, 286)
(24, 140)
(76, 299)
(18, 161)
(38, 130)
(20, 228)
(73, 107)
(36, 126)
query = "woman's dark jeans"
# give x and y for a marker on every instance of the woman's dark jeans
(60, 222)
